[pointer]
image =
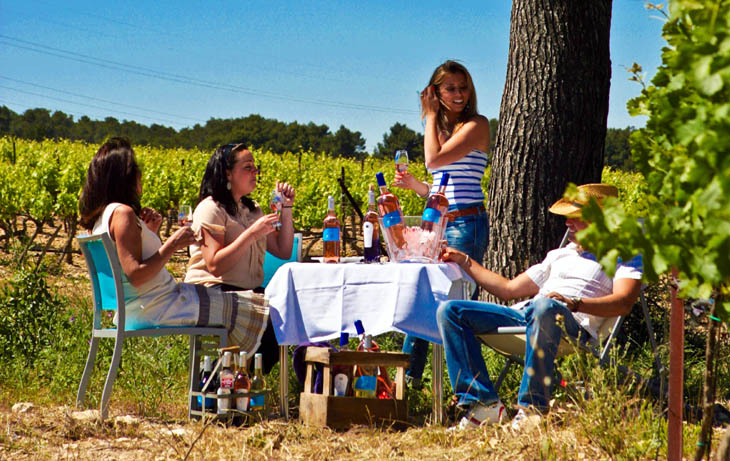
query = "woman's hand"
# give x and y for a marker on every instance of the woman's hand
(406, 180)
(286, 191)
(263, 226)
(151, 218)
(430, 101)
(181, 238)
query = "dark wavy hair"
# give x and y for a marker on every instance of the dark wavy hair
(215, 181)
(112, 177)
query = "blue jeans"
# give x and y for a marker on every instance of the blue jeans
(469, 234)
(460, 321)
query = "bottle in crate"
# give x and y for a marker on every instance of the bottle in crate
(366, 378)
(241, 384)
(371, 230)
(342, 373)
(226, 378)
(331, 233)
(205, 376)
(392, 216)
(258, 383)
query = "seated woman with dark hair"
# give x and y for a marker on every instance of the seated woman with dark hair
(234, 233)
(110, 202)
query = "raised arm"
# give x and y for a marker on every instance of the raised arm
(125, 230)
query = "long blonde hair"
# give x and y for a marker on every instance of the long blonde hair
(470, 110)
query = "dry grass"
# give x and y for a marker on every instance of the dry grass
(62, 433)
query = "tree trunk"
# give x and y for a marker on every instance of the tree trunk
(552, 124)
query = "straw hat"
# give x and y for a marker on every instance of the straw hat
(571, 208)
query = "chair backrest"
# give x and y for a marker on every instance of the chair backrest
(105, 273)
(272, 263)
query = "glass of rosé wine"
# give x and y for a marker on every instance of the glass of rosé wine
(276, 202)
(401, 161)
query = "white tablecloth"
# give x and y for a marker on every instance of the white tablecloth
(315, 302)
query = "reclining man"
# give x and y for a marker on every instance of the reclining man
(570, 294)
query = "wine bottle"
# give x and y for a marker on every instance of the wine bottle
(226, 384)
(392, 216)
(436, 207)
(331, 233)
(365, 380)
(342, 373)
(371, 230)
(205, 376)
(242, 383)
(258, 383)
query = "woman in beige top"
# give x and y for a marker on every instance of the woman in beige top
(235, 233)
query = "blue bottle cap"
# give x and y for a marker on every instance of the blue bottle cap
(444, 179)
(344, 338)
(380, 178)
(359, 327)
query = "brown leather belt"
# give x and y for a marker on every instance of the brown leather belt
(466, 212)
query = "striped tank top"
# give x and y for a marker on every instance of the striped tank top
(465, 182)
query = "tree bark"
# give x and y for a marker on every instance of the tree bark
(552, 124)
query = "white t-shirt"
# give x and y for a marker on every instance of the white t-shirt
(577, 274)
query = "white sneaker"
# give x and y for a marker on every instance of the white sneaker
(480, 415)
(523, 419)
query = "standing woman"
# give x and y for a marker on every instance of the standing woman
(456, 141)
(110, 202)
(235, 233)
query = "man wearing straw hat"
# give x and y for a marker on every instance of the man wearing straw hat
(570, 295)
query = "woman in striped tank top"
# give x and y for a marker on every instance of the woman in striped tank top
(456, 141)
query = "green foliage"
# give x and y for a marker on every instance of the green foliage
(30, 316)
(400, 137)
(683, 155)
(617, 152)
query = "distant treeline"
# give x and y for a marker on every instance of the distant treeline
(253, 130)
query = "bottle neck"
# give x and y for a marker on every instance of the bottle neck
(383, 190)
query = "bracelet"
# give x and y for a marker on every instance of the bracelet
(465, 264)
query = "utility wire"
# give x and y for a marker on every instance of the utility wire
(99, 99)
(85, 105)
(70, 55)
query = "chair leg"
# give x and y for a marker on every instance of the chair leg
(503, 373)
(111, 376)
(81, 394)
(194, 368)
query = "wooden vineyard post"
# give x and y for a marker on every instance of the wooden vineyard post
(676, 375)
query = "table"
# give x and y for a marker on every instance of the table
(315, 302)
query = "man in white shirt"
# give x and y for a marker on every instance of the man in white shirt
(570, 294)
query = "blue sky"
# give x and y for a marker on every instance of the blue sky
(358, 64)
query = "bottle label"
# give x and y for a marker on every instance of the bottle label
(431, 215)
(365, 383)
(340, 385)
(257, 403)
(331, 234)
(227, 381)
(391, 219)
(367, 234)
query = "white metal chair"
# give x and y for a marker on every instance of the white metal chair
(105, 273)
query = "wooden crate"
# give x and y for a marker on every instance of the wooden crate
(340, 412)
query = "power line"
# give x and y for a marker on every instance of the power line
(138, 70)
(100, 100)
(82, 104)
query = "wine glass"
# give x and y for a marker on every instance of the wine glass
(401, 161)
(185, 215)
(276, 202)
